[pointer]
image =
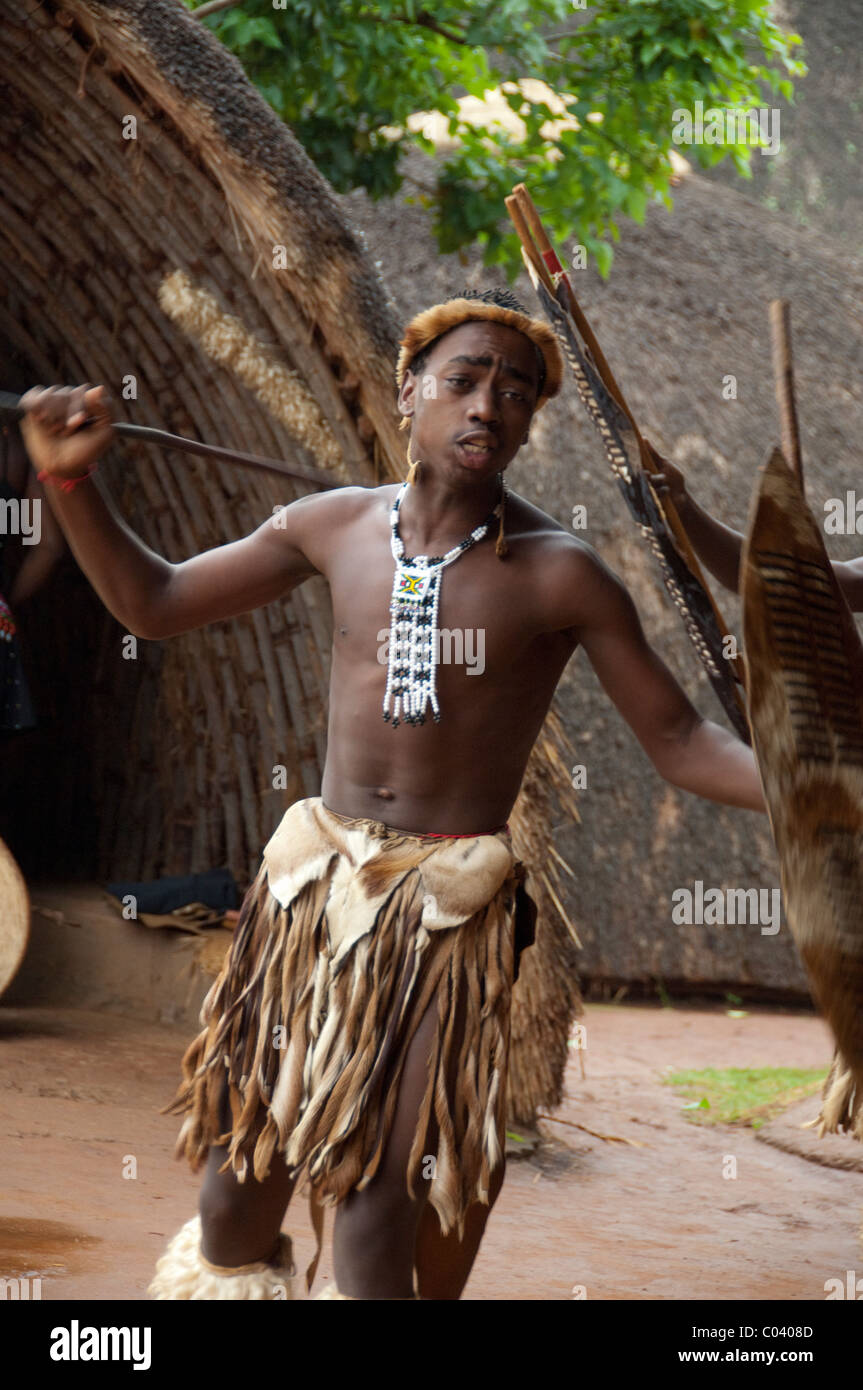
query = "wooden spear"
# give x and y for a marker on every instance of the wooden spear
(10, 408)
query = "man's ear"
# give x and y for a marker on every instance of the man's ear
(407, 395)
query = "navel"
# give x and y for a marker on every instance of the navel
(385, 793)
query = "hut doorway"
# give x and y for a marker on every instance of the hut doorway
(70, 782)
(78, 772)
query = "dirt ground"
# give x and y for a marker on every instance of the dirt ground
(590, 1216)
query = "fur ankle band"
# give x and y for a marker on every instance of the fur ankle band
(184, 1273)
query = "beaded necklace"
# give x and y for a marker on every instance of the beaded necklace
(414, 607)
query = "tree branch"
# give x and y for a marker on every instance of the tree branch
(422, 21)
(423, 187)
(213, 7)
(428, 22)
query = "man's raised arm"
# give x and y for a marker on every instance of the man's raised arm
(688, 751)
(150, 596)
(718, 546)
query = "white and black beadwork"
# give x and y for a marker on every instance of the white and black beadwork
(414, 606)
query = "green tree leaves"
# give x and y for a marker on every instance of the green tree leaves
(347, 77)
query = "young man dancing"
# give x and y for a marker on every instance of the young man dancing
(357, 1037)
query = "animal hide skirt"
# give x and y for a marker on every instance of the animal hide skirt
(351, 931)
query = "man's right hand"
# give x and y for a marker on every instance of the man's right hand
(52, 428)
(671, 483)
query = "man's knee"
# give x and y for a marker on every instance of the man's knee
(382, 1211)
(240, 1222)
(231, 1213)
(222, 1199)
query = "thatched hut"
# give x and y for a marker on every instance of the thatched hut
(165, 234)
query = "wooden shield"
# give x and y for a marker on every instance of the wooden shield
(805, 663)
(14, 917)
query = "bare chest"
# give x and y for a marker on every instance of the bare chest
(488, 618)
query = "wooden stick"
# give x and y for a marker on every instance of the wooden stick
(538, 248)
(783, 372)
(528, 248)
(609, 1138)
(556, 272)
(10, 407)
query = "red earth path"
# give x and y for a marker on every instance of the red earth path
(654, 1218)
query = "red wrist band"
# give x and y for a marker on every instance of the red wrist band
(65, 484)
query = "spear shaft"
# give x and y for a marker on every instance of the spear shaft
(10, 408)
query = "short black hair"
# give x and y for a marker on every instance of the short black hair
(504, 299)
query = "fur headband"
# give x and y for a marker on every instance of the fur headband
(434, 322)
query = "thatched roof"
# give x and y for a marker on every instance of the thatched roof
(122, 257)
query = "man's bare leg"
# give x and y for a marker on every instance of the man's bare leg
(380, 1236)
(241, 1221)
(444, 1262)
(375, 1230)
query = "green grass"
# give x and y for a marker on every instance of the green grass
(742, 1095)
